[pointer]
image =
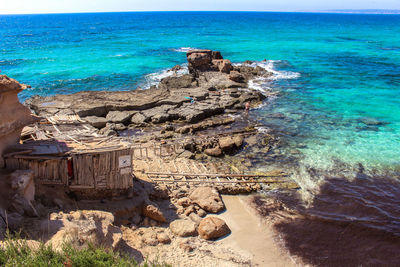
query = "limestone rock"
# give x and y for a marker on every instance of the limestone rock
(183, 81)
(183, 228)
(163, 238)
(13, 115)
(153, 212)
(236, 76)
(92, 226)
(138, 118)
(98, 122)
(208, 199)
(184, 202)
(224, 65)
(23, 187)
(199, 60)
(229, 143)
(119, 116)
(215, 152)
(195, 218)
(212, 228)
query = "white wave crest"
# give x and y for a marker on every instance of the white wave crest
(185, 49)
(155, 78)
(269, 66)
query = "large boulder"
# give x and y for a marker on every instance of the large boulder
(199, 60)
(208, 199)
(214, 152)
(228, 143)
(153, 212)
(212, 228)
(183, 228)
(13, 115)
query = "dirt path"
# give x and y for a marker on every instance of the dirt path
(250, 236)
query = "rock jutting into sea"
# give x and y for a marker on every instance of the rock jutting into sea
(213, 86)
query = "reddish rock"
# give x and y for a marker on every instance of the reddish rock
(213, 228)
(224, 65)
(153, 212)
(208, 199)
(215, 152)
(199, 60)
(13, 115)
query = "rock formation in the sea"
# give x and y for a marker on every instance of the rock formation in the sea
(13, 115)
(212, 87)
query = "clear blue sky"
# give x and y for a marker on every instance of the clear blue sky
(67, 6)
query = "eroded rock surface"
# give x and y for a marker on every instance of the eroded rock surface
(208, 199)
(13, 115)
(212, 228)
(212, 86)
(183, 228)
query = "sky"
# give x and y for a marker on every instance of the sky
(72, 6)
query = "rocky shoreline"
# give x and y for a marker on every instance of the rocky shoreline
(212, 87)
(206, 112)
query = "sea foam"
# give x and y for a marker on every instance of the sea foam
(156, 77)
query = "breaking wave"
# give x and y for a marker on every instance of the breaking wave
(185, 49)
(155, 78)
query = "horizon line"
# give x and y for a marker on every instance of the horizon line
(334, 11)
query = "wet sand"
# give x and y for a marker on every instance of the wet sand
(250, 235)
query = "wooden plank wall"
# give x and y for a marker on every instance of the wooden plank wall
(49, 172)
(101, 170)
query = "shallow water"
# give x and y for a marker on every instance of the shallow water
(338, 78)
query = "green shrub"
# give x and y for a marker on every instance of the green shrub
(16, 252)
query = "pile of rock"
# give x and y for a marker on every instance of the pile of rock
(81, 228)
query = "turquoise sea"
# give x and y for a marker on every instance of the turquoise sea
(338, 78)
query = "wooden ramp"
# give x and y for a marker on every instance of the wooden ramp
(200, 179)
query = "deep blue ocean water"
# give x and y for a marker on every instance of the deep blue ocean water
(338, 75)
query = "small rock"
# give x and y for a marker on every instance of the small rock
(186, 246)
(184, 202)
(163, 238)
(138, 118)
(183, 228)
(201, 212)
(195, 218)
(189, 210)
(214, 152)
(153, 212)
(213, 228)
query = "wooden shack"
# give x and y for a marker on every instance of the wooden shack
(74, 156)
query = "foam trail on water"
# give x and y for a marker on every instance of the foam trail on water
(269, 66)
(185, 49)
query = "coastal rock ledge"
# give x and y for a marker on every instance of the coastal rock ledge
(212, 86)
